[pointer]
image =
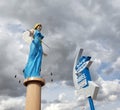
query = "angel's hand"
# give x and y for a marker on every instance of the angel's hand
(31, 32)
(45, 54)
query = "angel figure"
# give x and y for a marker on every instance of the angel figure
(33, 66)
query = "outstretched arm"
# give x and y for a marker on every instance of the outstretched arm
(31, 32)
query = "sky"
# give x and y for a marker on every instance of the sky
(68, 25)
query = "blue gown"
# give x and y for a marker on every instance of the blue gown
(33, 66)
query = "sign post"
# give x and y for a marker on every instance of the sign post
(82, 79)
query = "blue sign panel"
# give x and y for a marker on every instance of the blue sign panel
(83, 74)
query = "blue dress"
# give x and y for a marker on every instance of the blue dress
(33, 66)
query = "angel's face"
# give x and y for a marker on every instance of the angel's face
(39, 27)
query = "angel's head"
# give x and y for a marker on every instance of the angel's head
(38, 26)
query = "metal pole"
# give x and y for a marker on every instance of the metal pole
(91, 103)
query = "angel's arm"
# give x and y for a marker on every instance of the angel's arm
(31, 32)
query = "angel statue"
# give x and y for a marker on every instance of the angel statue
(33, 66)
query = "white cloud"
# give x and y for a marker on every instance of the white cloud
(109, 90)
(108, 95)
(118, 108)
(112, 97)
(116, 64)
(61, 96)
(12, 103)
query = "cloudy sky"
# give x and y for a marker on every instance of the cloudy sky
(68, 25)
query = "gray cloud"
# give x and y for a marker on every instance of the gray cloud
(8, 84)
(86, 26)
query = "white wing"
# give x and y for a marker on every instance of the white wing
(27, 38)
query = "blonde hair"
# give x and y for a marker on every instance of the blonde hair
(36, 25)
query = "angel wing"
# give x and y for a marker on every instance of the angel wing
(27, 37)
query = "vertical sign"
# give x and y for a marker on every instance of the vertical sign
(82, 79)
(82, 74)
